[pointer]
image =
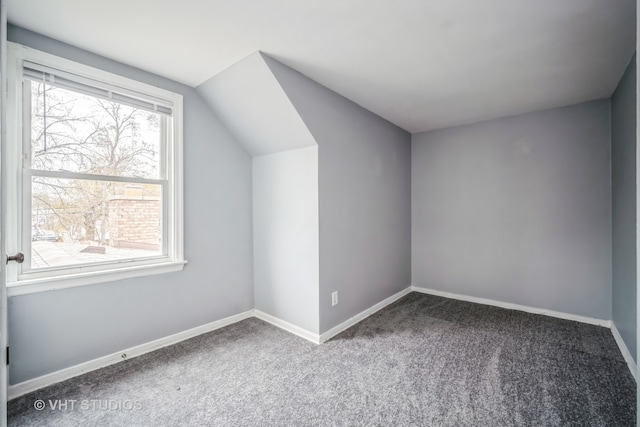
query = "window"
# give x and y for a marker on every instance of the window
(96, 164)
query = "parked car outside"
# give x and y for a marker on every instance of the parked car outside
(40, 234)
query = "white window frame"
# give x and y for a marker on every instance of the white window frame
(19, 282)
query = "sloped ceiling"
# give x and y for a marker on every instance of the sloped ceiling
(421, 64)
(252, 104)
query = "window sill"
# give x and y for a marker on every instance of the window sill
(31, 286)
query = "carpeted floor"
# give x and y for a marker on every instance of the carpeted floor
(422, 361)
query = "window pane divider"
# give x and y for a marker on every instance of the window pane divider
(91, 177)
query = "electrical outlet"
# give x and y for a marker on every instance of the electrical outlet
(334, 298)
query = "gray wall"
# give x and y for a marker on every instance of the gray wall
(623, 180)
(365, 198)
(285, 236)
(517, 210)
(53, 330)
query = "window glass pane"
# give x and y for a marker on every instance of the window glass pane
(80, 133)
(82, 221)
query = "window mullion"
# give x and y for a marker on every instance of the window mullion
(164, 170)
(91, 177)
(24, 183)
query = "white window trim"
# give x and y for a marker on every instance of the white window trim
(78, 275)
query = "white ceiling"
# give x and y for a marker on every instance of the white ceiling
(421, 64)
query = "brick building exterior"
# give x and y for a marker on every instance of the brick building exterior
(135, 221)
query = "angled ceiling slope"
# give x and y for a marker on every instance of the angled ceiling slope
(421, 64)
(252, 104)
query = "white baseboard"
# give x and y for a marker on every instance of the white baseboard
(624, 350)
(318, 339)
(363, 315)
(28, 386)
(558, 314)
(510, 306)
(34, 384)
(289, 327)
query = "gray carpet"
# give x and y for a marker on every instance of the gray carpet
(422, 361)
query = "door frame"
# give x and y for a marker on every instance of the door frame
(4, 378)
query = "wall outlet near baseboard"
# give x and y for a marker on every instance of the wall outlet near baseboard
(334, 298)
